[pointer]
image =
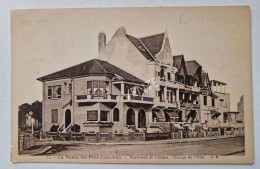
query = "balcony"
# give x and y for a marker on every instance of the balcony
(96, 98)
(137, 99)
(169, 83)
(192, 88)
(190, 105)
(166, 103)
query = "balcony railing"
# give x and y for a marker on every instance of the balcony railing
(189, 104)
(138, 99)
(166, 103)
(96, 98)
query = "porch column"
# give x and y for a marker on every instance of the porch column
(122, 88)
(178, 97)
(99, 115)
(149, 120)
(110, 90)
(136, 118)
(165, 93)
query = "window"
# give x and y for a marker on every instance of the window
(213, 102)
(92, 115)
(116, 114)
(162, 74)
(187, 98)
(169, 75)
(104, 115)
(54, 115)
(89, 87)
(49, 92)
(54, 92)
(170, 96)
(97, 88)
(205, 100)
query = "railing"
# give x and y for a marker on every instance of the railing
(137, 98)
(148, 99)
(106, 97)
(80, 97)
(166, 103)
(183, 103)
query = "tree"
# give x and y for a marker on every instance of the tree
(36, 108)
(23, 110)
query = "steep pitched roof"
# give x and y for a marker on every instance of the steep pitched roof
(138, 44)
(177, 60)
(153, 43)
(192, 67)
(94, 66)
(149, 46)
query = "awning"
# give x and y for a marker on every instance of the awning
(172, 113)
(159, 113)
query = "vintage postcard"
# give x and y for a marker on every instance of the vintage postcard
(132, 85)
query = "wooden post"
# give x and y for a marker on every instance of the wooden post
(21, 142)
(144, 136)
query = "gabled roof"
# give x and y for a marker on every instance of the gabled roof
(153, 43)
(138, 44)
(192, 67)
(91, 67)
(149, 46)
(177, 60)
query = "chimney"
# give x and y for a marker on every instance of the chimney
(101, 41)
(121, 31)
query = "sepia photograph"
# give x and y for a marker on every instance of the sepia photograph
(132, 85)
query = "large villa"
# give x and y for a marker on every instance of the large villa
(137, 85)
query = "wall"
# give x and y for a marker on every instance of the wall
(123, 54)
(224, 106)
(49, 104)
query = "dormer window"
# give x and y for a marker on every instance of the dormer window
(142, 48)
(162, 74)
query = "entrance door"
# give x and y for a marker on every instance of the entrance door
(130, 117)
(141, 119)
(67, 118)
(222, 132)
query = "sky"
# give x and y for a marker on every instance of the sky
(45, 41)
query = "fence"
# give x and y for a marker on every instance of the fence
(107, 137)
(26, 142)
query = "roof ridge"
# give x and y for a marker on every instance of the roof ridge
(148, 51)
(146, 48)
(151, 35)
(194, 61)
(66, 68)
